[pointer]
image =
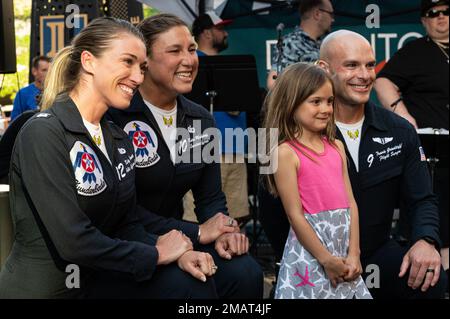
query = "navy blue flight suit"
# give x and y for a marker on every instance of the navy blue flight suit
(392, 168)
(70, 205)
(161, 185)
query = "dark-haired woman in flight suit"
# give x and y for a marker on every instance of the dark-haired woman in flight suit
(167, 168)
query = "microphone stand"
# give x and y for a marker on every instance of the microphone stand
(280, 28)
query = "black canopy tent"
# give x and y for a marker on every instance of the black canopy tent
(266, 13)
(253, 30)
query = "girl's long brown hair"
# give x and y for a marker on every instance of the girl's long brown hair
(295, 84)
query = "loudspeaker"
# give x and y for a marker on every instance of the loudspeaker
(7, 38)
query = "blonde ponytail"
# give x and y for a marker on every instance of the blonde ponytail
(56, 81)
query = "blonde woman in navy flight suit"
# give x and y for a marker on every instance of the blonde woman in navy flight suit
(72, 187)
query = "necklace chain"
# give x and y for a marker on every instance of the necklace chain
(440, 46)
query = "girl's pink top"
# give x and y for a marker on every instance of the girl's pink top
(321, 183)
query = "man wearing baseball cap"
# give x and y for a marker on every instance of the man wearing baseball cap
(209, 32)
(430, 4)
(415, 85)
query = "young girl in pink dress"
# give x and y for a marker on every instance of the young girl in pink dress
(321, 255)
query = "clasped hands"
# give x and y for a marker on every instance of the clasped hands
(340, 269)
(224, 230)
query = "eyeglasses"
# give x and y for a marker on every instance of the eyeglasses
(434, 13)
(331, 13)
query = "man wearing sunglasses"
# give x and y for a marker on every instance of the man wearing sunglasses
(303, 43)
(415, 85)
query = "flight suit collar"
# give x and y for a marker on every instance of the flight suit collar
(67, 112)
(373, 118)
(183, 109)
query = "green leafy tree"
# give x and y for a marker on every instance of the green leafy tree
(149, 11)
(11, 84)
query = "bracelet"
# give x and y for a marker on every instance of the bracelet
(394, 105)
(199, 234)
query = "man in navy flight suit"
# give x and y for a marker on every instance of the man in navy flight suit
(386, 166)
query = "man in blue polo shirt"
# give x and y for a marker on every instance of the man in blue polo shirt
(26, 97)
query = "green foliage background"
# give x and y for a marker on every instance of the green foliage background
(149, 11)
(22, 13)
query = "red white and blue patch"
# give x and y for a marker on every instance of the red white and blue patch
(145, 143)
(87, 169)
(423, 158)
